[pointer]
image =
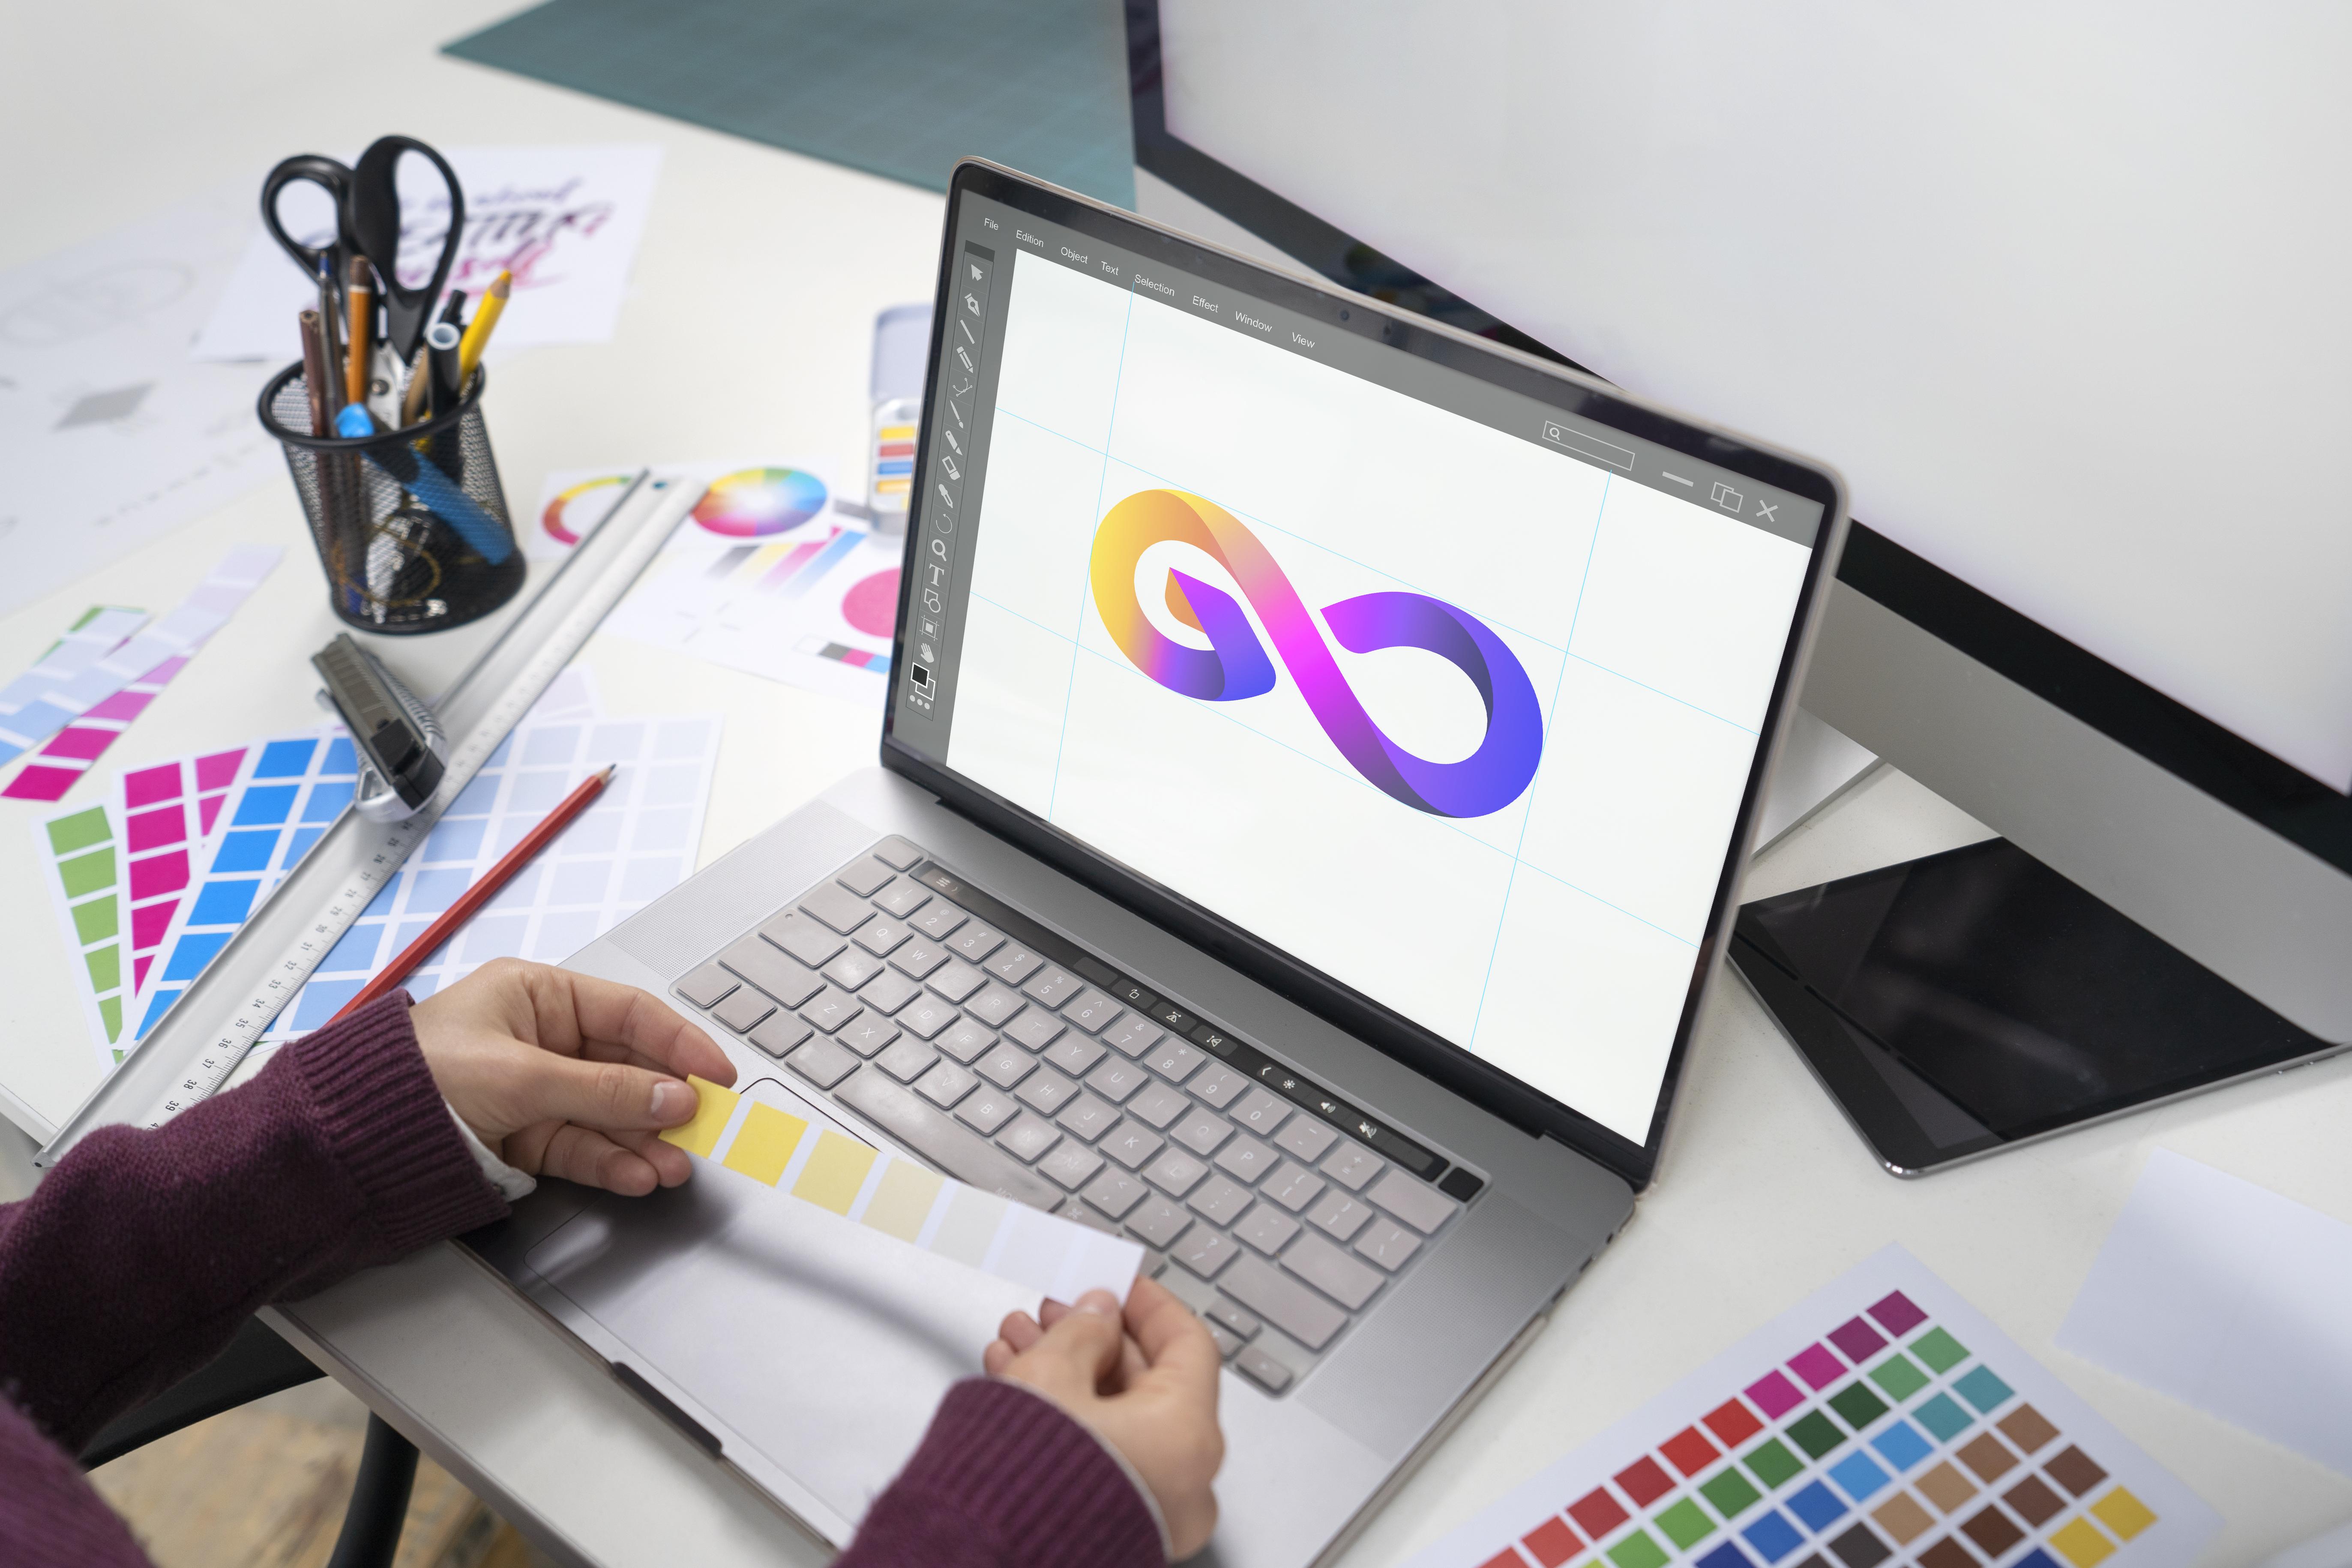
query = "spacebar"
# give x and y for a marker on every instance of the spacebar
(925, 1129)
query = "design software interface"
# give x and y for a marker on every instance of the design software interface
(1448, 694)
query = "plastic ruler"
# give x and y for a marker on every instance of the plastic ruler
(216, 1022)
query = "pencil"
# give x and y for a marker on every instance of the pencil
(359, 347)
(478, 332)
(411, 403)
(481, 892)
(314, 373)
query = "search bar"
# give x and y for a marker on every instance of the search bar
(1592, 447)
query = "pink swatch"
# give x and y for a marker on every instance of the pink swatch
(1817, 1366)
(168, 811)
(1773, 1394)
(72, 750)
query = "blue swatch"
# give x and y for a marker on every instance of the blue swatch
(1982, 1389)
(1941, 1416)
(1773, 1536)
(1817, 1505)
(1901, 1444)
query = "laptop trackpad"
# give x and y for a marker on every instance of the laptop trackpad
(822, 1344)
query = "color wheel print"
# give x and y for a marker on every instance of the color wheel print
(756, 504)
(557, 518)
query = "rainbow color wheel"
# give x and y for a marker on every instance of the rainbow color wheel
(557, 518)
(755, 503)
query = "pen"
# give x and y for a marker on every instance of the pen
(481, 892)
(441, 357)
(486, 320)
(315, 373)
(422, 477)
(330, 310)
(411, 403)
(359, 347)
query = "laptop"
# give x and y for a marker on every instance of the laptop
(1320, 753)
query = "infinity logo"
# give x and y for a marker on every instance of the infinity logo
(1234, 664)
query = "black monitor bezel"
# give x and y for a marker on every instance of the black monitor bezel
(1360, 1015)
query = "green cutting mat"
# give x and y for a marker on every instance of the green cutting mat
(900, 88)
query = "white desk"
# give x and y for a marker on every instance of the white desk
(747, 333)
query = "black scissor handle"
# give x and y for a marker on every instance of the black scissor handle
(374, 209)
(336, 181)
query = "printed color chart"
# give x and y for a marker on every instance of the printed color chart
(1883, 1422)
(168, 810)
(85, 876)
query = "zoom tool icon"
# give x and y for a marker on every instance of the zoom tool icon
(1235, 666)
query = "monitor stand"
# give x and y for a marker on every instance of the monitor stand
(1965, 1002)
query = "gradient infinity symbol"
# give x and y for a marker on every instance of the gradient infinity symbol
(1234, 664)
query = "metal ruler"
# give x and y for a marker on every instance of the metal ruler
(218, 1020)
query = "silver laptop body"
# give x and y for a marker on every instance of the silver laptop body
(1045, 996)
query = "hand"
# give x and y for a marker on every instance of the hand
(565, 1074)
(1146, 1385)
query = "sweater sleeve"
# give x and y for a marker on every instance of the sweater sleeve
(138, 1256)
(1004, 1478)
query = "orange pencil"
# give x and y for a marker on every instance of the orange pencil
(481, 892)
(359, 355)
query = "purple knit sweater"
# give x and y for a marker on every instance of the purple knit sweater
(137, 1258)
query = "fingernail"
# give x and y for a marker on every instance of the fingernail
(1101, 1303)
(672, 1100)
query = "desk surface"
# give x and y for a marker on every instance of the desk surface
(1764, 1194)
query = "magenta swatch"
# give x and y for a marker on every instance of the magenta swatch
(1773, 1394)
(1897, 1314)
(1817, 1366)
(1858, 1340)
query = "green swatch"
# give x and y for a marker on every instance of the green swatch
(1939, 1350)
(1856, 1405)
(1815, 1432)
(1899, 1375)
(1729, 1490)
(1772, 1463)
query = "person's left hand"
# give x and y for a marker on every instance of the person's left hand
(566, 1075)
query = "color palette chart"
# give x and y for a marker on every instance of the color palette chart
(1882, 1422)
(85, 876)
(757, 1133)
(168, 811)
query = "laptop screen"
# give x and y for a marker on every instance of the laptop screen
(1441, 689)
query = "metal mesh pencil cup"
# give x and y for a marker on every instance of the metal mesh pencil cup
(411, 526)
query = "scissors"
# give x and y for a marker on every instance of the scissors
(367, 223)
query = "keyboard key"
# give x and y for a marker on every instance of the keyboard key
(1331, 1271)
(1245, 1158)
(1176, 1172)
(1203, 1251)
(1157, 1223)
(865, 879)
(994, 1005)
(897, 853)
(1076, 1209)
(987, 1110)
(803, 938)
(925, 1017)
(1012, 964)
(1115, 1080)
(1173, 1060)
(1047, 1090)
(1071, 1165)
(1340, 1214)
(1132, 994)
(1227, 1345)
(741, 1008)
(1131, 1144)
(780, 1034)
(1261, 1369)
(1219, 1085)
(888, 992)
(1220, 1200)
(1266, 1227)
(1389, 1245)
(881, 938)
(918, 958)
(1260, 1112)
(1305, 1137)
(927, 1130)
(1200, 1132)
(853, 968)
(1115, 1192)
(1169, 1015)
(964, 1041)
(1293, 1185)
(1092, 1011)
(906, 1061)
(1029, 1136)
(1074, 1054)
(787, 980)
(1424, 1208)
(829, 1009)
(1132, 1035)
(1087, 1118)
(975, 942)
(957, 980)
(1156, 1105)
(822, 1062)
(946, 1084)
(837, 906)
(1006, 1066)
(1283, 1301)
(938, 920)
(1053, 986)
(1034, 1030)
(1352, 1166)
(1243, 1325)
(901, 899)
(868, 1033)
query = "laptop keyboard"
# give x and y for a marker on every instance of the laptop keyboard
(1019, 1062)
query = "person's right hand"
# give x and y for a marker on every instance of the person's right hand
(1145, 1381)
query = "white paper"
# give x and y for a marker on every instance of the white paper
(110, 434)
(2231, 1299)
(564, 220)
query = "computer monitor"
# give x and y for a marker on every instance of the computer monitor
(2061, 299)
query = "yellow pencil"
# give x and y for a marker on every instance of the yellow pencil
(478, 330)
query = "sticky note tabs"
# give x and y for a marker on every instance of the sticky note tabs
(716, 1108)
(765, 1146)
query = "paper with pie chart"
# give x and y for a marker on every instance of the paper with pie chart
(765, 577)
